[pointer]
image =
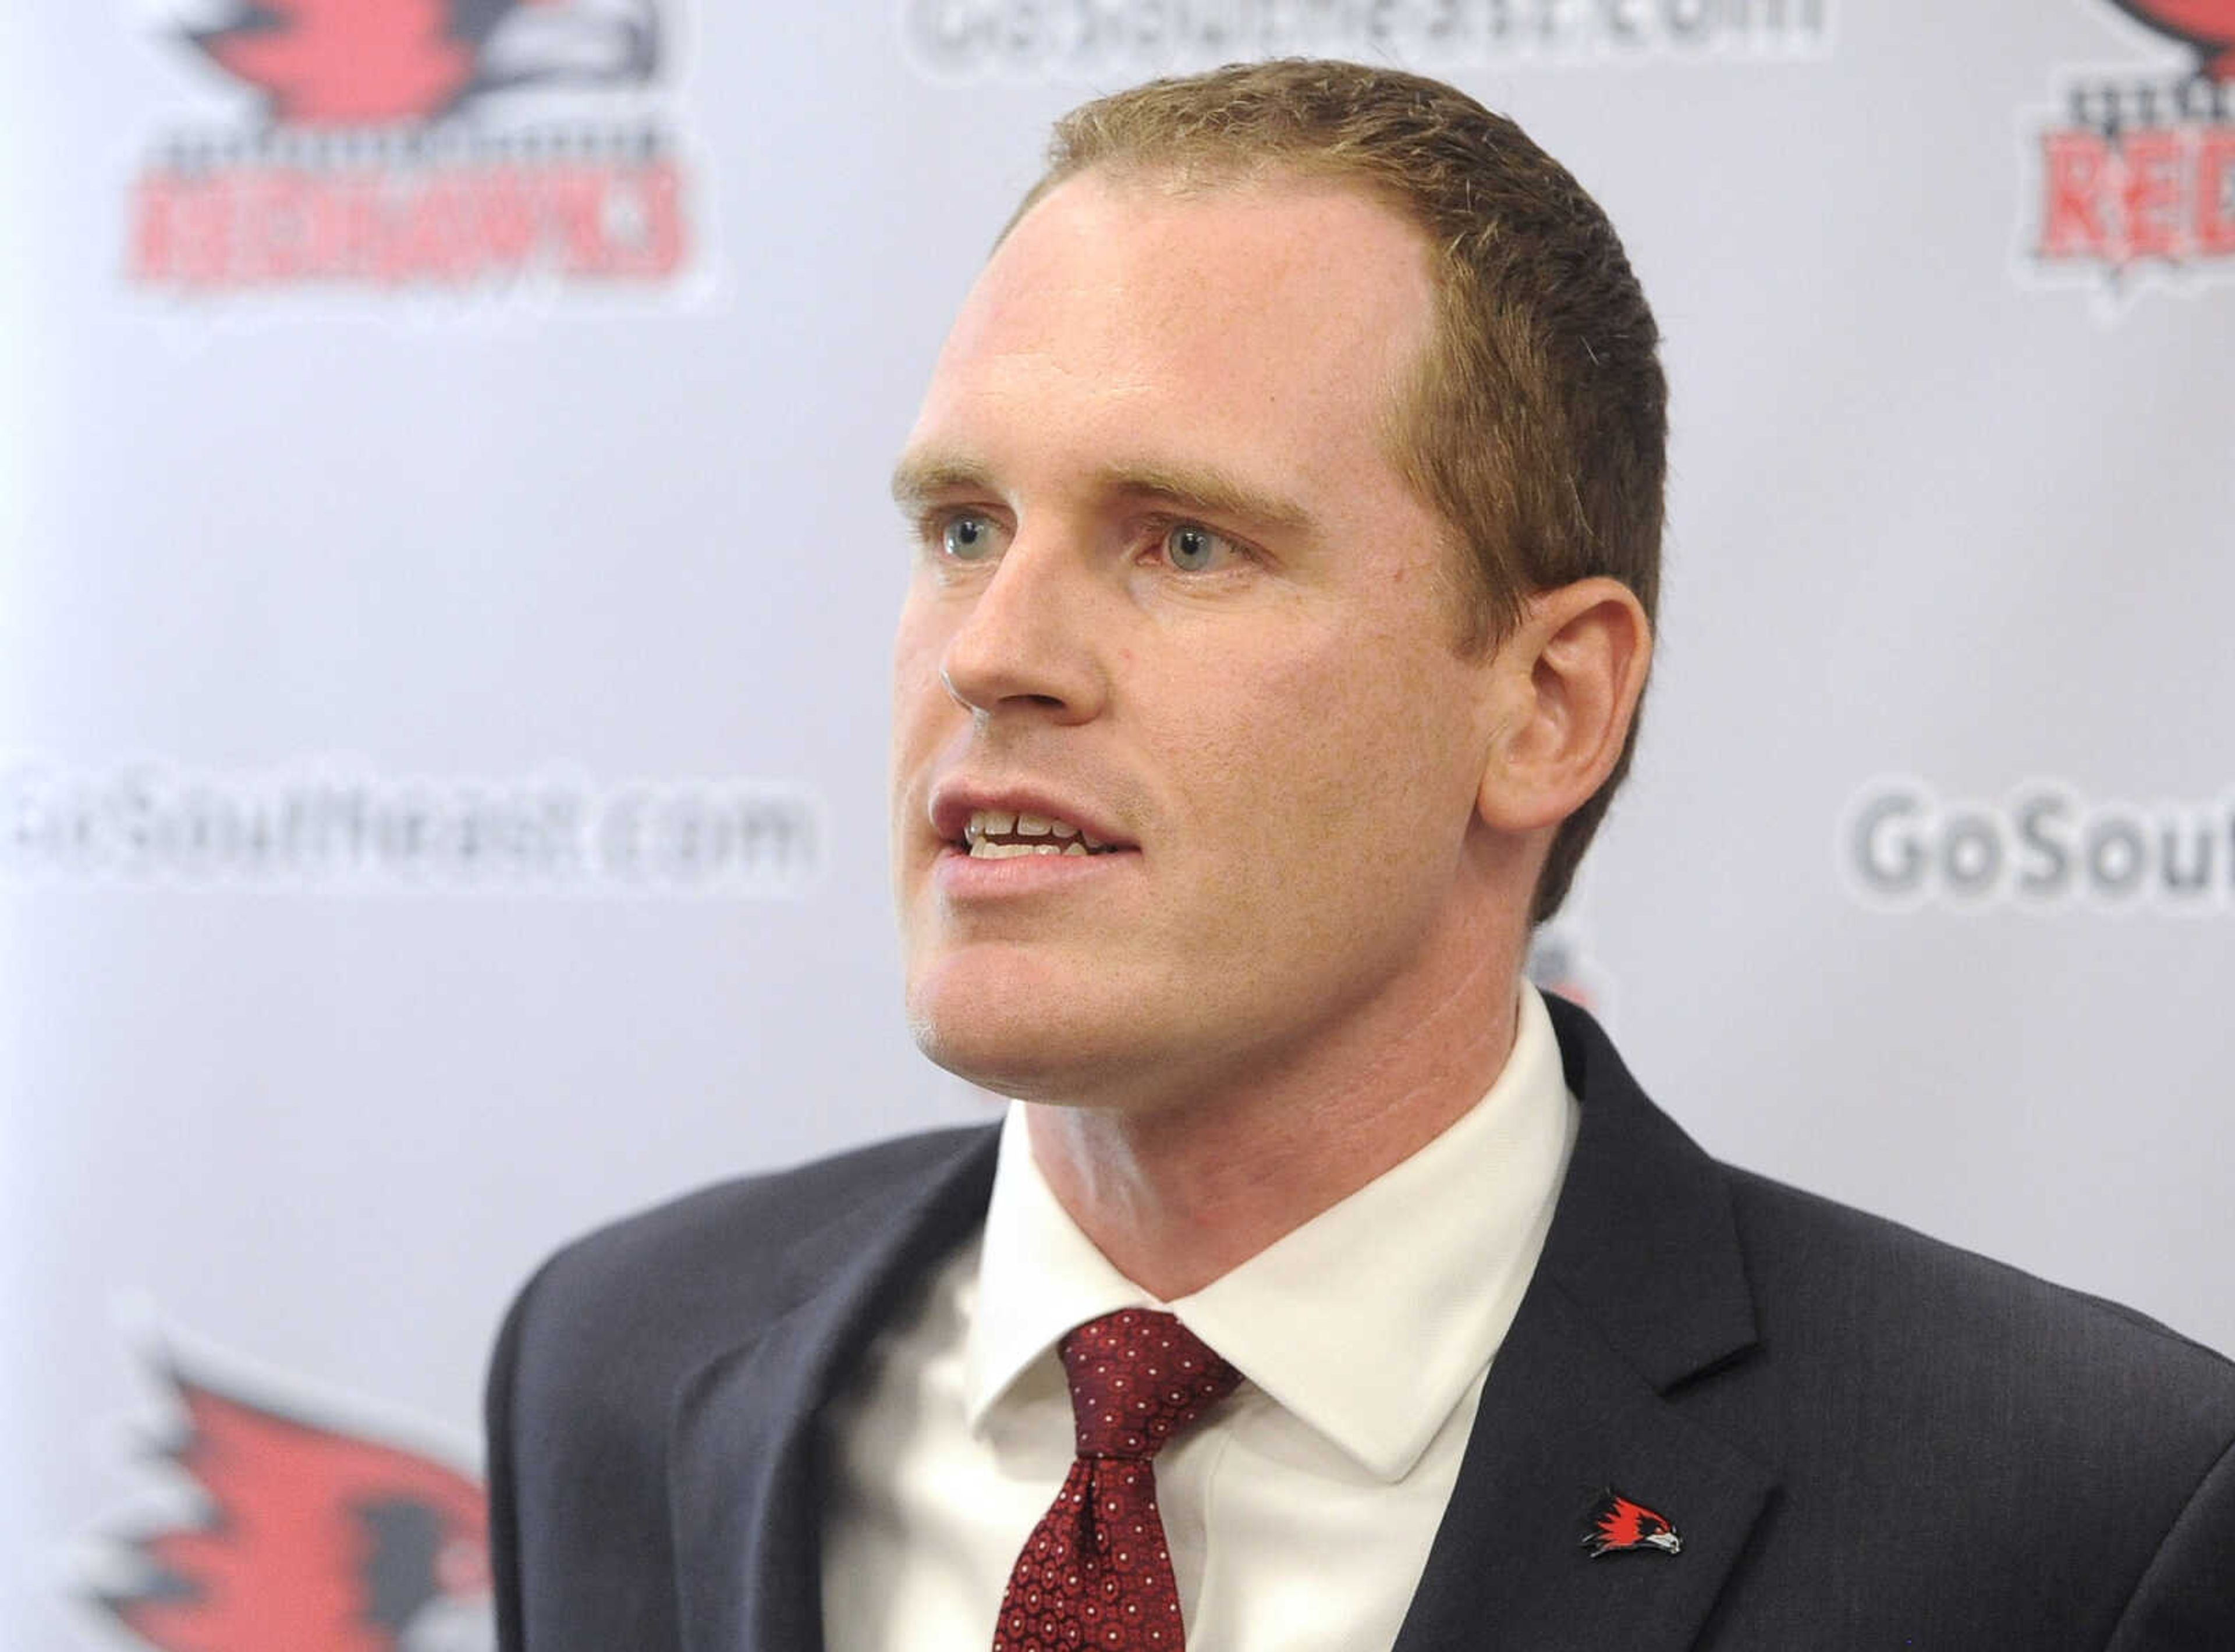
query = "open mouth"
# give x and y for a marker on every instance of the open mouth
(995, 834)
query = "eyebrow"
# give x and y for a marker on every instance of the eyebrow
(1207, 490)
(918, 480)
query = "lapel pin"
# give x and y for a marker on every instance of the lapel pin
(1618, 1526)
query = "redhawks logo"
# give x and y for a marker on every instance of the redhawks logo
(308, 1538)
(1616, 1526)
(2136, 175)
(355, 168)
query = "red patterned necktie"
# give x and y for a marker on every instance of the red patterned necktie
(1095, 1572)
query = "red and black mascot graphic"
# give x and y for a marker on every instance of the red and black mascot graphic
(309, 1539)
(385, 62)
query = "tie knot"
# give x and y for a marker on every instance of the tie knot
(1138, 1378)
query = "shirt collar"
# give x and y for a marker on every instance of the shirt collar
(1371, 1322)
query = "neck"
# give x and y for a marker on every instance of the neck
(1177, 1196)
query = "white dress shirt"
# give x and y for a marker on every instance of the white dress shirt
(1299, 1511)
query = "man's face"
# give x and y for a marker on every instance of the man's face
(1170, 595)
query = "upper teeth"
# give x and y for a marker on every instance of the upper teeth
(987, 824)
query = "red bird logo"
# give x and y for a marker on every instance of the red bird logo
(385, 62)
(2208, 25)
(311, 1540)
(1617, 1525)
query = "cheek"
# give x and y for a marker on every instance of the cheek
(1274, 744)
(1358, 748)
(916, 642)
(919, 646)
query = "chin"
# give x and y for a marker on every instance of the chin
(1035, 1042)
(1030, 1062)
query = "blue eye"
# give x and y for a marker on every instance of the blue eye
(966, 538)
(1193, 549)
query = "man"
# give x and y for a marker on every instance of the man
(1288, 501)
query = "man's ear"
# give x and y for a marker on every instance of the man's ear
(1566, 681)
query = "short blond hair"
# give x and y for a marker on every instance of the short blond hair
(1537, 425)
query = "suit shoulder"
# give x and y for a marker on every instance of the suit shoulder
(685, 1276)
(1966, 1455)
(1857, 1291)
(776, 1203)
(756, 1223)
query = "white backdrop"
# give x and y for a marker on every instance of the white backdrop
(445, 594)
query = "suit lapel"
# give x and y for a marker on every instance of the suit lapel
(742, 1444)
(1639, 1303)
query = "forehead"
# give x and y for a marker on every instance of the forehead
(1274, 320)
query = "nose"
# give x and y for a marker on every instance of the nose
(1027, 643)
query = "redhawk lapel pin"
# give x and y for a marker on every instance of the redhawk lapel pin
(1617, 1525)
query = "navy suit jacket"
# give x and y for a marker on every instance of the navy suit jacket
(1866, 1439)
